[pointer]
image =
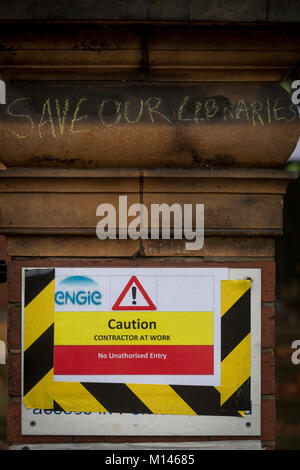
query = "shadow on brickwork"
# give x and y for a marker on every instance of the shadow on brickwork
(3, 407)
(288, 320)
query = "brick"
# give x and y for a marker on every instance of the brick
(267, 373)
(14, 374)
(213, 184)
(268, 278)
(3, 287)
(84, 245)
(65, 211)
(213, 246)
(268, 420)
(268, 445)
(251, 211)
(2, 245)
(234, 438)
(122, 439)
(268, 327)
(14, 320)
(101, 182)
(89, 439)
(13, 421)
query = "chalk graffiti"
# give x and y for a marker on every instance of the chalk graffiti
(57, 116)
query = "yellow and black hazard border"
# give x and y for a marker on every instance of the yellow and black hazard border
(231, 398)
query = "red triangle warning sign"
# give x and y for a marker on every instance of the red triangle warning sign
(134, 297)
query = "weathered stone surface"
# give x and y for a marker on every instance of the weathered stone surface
(154, 126)
(175, 10)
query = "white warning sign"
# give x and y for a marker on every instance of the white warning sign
(138, 325)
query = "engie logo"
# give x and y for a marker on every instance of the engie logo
(77, 290)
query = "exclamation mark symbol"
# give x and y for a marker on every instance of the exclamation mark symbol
(133, 291)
